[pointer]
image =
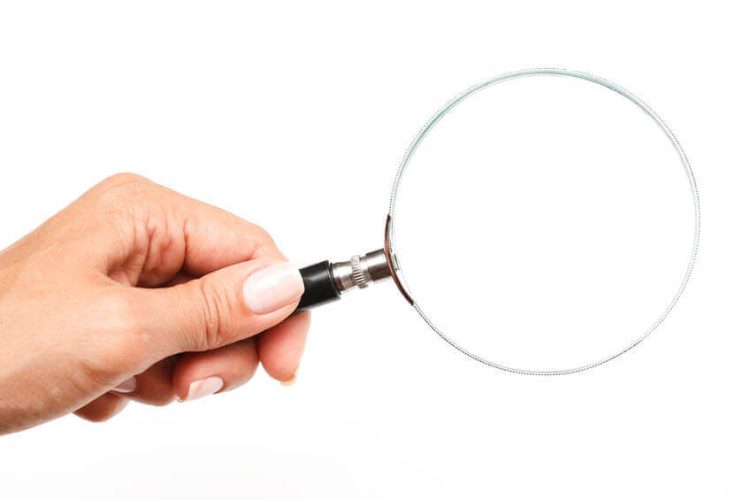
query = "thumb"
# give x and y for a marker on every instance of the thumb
(225, 306)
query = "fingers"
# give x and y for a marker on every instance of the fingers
(281, 347)
(192, 237)
(206, 238)
(216, 239)
(201, 374)
(195, 375)
(102, 408)
(149, 233)
(221, 308)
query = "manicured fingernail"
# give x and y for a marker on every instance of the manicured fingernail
(272, 288)
(204, 387)
(128, 386)
(291, 381)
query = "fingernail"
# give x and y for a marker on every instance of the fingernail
(291, 381)
(272, 288)
(204, 387)
(128, 386)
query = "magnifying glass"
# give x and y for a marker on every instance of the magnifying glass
(543, 222)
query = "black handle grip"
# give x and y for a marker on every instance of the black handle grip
(320, 287)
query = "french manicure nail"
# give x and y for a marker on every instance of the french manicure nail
(272, 288)
(128, 386)
(204, 387)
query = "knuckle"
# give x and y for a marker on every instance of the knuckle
(120, 190)
(123, 179)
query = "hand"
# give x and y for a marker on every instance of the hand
(137, 292)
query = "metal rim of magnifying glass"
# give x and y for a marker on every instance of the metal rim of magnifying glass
(390, 249)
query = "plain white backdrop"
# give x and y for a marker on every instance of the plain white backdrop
(295, 115)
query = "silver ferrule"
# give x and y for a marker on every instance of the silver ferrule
(361, 270)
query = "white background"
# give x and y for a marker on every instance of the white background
(295, 115)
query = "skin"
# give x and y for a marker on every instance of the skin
(134, 280)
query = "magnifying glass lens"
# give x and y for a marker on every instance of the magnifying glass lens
(543, 223)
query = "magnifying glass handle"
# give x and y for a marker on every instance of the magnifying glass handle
(326, 281)
(320, 285)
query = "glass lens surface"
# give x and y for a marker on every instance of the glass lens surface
(544, 223)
